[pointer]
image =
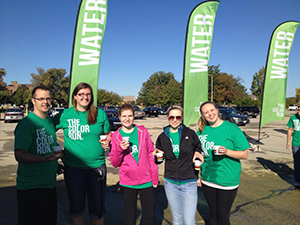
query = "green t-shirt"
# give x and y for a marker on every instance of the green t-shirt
(294, 123)
(174, 138)
(222, 170)
(133, 141)
(82, 147)
(36, 136)
(134, 146)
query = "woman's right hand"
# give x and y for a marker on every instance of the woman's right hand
(156, 151)
(124, 144)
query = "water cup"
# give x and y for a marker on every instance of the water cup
(125, 139)
(103, 138)
(216, 149)
(57, 150)
(160, 156)
(197, 164)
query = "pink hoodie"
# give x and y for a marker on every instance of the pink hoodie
(131, 172)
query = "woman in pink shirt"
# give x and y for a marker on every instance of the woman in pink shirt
(138, 171)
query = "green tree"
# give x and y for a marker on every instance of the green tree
(297, 95)
(56, 80)
(228, 89)
(4, 96)
(2, 75)
(257, 84)
(160, 89)
(105, 97)
(21, 97)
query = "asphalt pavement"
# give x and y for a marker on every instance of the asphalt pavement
(266, 194)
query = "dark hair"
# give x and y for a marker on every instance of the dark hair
(202, 122)
(124, 107)
(40, 87)
(174, 107)
(92, 111)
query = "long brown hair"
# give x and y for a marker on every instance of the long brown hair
(92, 111)
(202, 121)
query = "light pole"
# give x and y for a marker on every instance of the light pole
(211, 88)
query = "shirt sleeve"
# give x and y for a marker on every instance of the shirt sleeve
(240, 141)
(290, 123)
(106, 125)
(24, 135)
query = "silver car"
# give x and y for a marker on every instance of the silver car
(13, 115)
(139, 114)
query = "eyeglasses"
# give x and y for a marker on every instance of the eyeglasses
(83, 94)
(43, 99)
(173, 117)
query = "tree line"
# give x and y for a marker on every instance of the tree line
(160, 89)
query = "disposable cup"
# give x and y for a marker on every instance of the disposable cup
(160, 156)
(103, 138)
(57, 150)
(216, 150)
(197, 164)
(125, 139)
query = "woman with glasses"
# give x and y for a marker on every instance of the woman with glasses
(131, 150)
(224, 144)
(180, 147)
(85, 170)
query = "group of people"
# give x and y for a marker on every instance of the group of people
(131, 149)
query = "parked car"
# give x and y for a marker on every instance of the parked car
(139, 114)
(151, 111)
(109, 107)
(14, 114)
(293, 107)
(229, 114)
(56, 111)
(162, 111)
(113, 119)
(252, 111)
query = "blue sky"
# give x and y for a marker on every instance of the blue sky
(143, 37)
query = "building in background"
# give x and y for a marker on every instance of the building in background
(13, 86)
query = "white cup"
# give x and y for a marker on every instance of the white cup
(57, 150)
(160, 156)
(103, 138)
(125, 139)
(197, 164)
(216, 149)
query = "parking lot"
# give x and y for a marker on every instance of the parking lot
(266, 194)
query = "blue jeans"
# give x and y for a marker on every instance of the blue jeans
(296, 155)
(183, 202)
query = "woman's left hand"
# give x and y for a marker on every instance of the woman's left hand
(105, 145)
(199, 182)
(154, 185)
(199, 156)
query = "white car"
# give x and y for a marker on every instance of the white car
(293, 107)
(56, 111)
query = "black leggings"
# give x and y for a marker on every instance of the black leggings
(219, 202)
(130, 204)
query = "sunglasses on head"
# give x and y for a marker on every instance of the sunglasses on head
(173, 117)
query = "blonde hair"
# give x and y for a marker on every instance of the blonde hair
(174, 107)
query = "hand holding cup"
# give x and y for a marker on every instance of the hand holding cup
(125, 143)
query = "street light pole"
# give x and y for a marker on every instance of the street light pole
(211, 88)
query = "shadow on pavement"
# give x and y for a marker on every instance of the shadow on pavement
(281, 131)
(283, 170)
(114, 206)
